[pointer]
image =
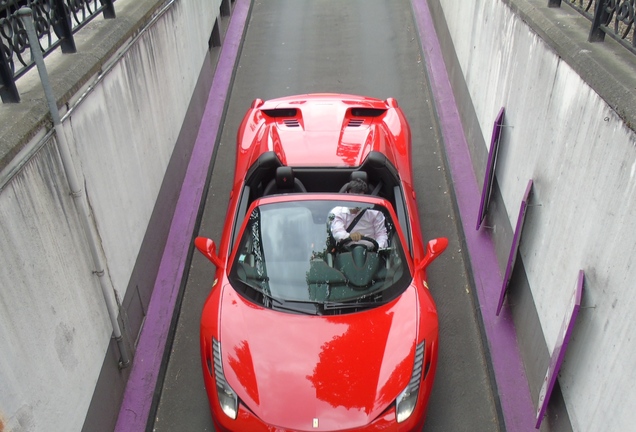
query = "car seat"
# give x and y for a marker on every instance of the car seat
(284, 182)
(362, 175)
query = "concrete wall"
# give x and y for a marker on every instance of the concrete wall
(568, 106)
(53, 324)
(123, 122)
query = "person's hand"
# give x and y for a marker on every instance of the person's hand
(355, 236)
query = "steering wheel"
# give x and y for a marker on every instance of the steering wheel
(348, 244)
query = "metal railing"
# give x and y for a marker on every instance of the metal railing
(611, 17)
(56, 21)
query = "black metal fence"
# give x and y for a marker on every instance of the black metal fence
(55, 23)
(611, 17)
(57, 20)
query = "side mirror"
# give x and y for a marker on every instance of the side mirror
(208, 248)
(434, 249)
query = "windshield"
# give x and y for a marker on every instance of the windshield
(289, 259)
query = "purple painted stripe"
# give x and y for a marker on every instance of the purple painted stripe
(135, 409)
(512, 383)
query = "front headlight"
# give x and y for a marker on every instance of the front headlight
(406, 401)
(227, 397)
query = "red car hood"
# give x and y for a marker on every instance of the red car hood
(341, 370)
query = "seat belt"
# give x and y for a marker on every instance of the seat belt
(350, 227)
(356, 220)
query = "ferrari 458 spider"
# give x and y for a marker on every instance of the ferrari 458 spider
(303, 332)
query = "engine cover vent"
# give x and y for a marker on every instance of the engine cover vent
(291, 123)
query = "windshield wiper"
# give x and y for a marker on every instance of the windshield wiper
(266, 296)
(349, 305)
(281, 304)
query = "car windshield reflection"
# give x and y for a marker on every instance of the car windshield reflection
(288, 260)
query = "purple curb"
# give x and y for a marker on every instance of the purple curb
(512, 384)
(138, 396)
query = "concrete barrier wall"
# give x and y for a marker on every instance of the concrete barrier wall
(53, 324)
(54, 327)
(125, 131)
(570, 134)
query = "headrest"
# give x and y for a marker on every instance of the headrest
(284, 177)
(362, 175)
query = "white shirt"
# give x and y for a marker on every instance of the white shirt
(371, 224)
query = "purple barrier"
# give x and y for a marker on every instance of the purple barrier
(516, 239)
(559, 349)
(489, 176)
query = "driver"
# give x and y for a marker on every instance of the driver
(370, 224)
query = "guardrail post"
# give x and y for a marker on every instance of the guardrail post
(8, 90)
(602, 16)
(109, 9)
(62, 26)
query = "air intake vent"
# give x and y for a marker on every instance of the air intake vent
(291, 123)
(280, 112)
(355, 123)
(367, 112)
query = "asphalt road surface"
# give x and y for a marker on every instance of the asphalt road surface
(367, 47)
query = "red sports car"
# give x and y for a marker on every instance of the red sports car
(301, 331)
